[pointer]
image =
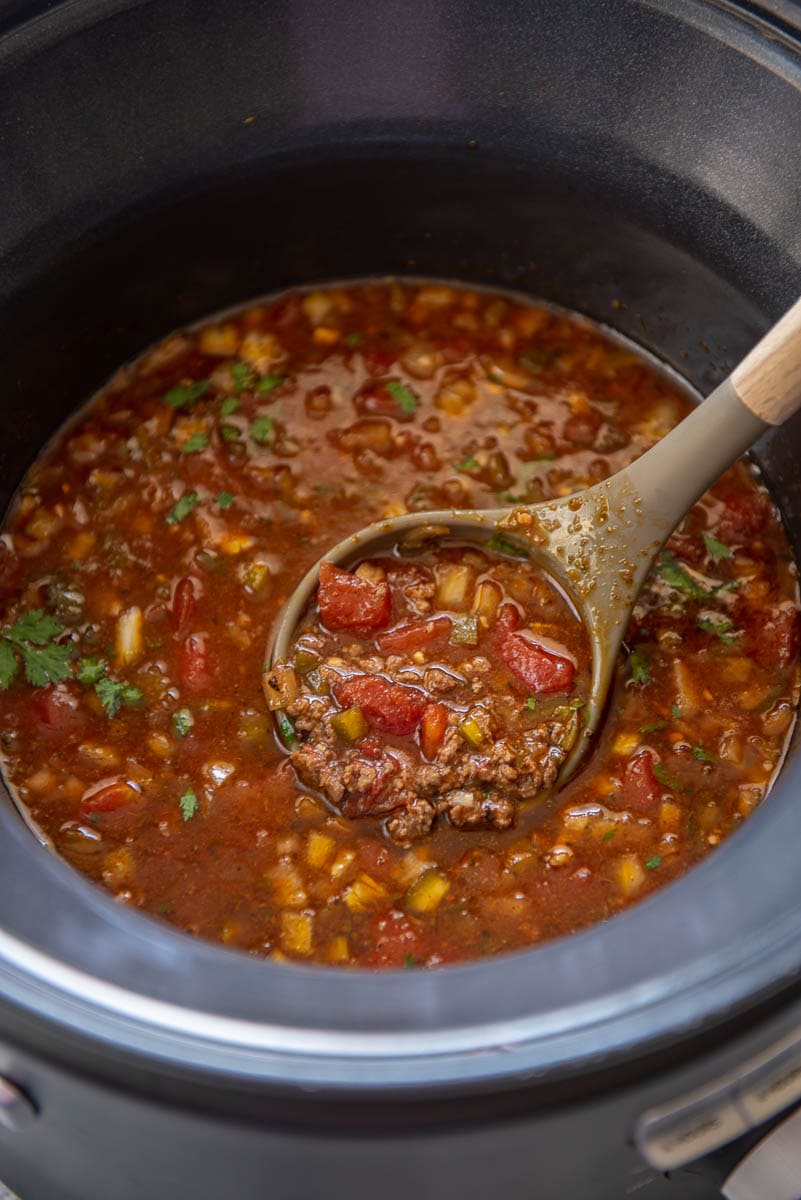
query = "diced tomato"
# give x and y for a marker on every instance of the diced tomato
(405, 639)
(539, 669)
(368, 796)
(397, 942)
(346, 601)
(391, 707)
(58, 710)
(432, 728)
(183, 604)
(113, 795)
(642, 790)
(745, 515)
(193, 663)
(774, 637)
(377, 359)
(508, 618)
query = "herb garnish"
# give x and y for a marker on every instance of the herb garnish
(268, 383)
(183, 507)
(229, 405)
(243, 377)
(500, 545)
(33, 637)
(676, 712)
(654, 727)
(182, 721)
(664, 777)
(197, 442)
(229, 433)
(353, 339)
(674, 573)
(716, 549)
(181, 397)
(531, 703)
(262, 430)
(468, 464)
(188, 803)
(409, 961)
(702, 755)
(654, 862)
(610, 833)
(720, 626)
(286, 729)
(90, 670)
(225, 499)
(404, 396)
(112, 694)
(640, 669)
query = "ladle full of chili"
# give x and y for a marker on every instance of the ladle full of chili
(599, 544)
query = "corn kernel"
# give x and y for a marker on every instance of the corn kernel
(219, 340)
(631, 875)
(296, 933)
(427, 892)
(338, 950)
(365, 892)
(324, 335)
(319, 848)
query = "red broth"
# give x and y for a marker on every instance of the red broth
(154, 542)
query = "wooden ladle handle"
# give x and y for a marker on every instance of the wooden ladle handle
(768, 380)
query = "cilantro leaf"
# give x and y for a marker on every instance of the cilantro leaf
(654, 862)
(112, 694)
(197, 442)
(353, 339)
(182, 721)
(676, 712)
(229, 405)
(702, 755)
(287, 729)
(674, 574)
(8, 665)
(243, 377)
(721, 627)
(188, 803)
(181, 397)
(500, 545)
(404, 396)
(46, 664)
(32, 637)
(269, 383)
(262, 430)
(468, 464)
(716, 549)
(91, 669)
(225, 499)
(653, 727)
(34, 627)
(665, 778)
(409, 961)
(531, 703)
(229, 433)
(183, 507)
(608, 835)
(640, 668)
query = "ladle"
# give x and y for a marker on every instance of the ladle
(599, 544)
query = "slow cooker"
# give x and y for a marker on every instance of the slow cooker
(636, 160)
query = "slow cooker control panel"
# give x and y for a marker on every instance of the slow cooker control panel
(674, 1134)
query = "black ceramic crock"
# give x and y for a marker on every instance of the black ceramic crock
(636, 160)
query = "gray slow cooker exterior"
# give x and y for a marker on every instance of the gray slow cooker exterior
(640, 162)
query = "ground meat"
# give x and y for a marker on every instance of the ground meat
(412, 822)
(470, 809)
